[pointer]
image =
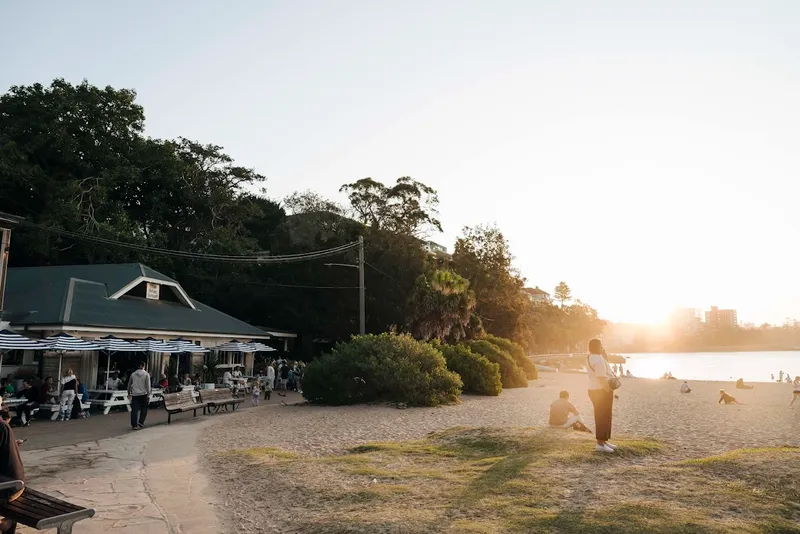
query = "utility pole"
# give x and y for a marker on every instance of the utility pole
(362, 294)
(362, 290)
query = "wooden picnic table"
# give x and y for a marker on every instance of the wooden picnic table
(108, 398)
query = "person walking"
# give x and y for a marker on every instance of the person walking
(69, 387)
(601, 394)
(269, 381)
(795, 389)
(139, 389)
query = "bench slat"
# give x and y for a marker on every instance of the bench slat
(41, 511)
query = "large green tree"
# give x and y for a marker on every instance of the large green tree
(440, 306)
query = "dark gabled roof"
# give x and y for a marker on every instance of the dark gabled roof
(535, 291)
(79, 295)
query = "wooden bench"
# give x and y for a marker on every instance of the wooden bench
(56, 409)
(182, 401)
(217, 398)
(42, 512)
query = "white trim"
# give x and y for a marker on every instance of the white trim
(145, 333)
(280, 334)
(182, 296)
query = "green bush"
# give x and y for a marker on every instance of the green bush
(517, 352)
(480, 376)
(385, 367)
(510, 373)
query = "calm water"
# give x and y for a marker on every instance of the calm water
(752, 366)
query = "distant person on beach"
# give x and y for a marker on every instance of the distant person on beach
(564, 415)
(685, 387)
(780, 376)
(599, 372)
(728, 399)
(628, 374)
(795, 389)
(741, 385)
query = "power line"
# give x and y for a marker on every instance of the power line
(287, 258)
(383, 273)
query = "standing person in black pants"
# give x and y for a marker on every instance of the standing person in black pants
(601, 394)
(139, 390)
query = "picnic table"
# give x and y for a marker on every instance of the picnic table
(108, 398)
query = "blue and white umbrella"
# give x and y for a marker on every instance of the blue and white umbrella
(63, 342)
(114, 344)
(235, 346)
(186, 346)
(154, 345)
(260, 347)
(12, 341)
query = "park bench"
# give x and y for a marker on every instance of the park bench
(182, 401)
(56, 409)
(42, 512)
(217, 398)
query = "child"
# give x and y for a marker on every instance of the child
(728, 399)
(256, 393)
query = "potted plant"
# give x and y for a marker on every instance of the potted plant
(208, 372)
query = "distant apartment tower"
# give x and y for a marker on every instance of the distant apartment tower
(716, 318)
(435, 248)
(536, 295)
(685, 321)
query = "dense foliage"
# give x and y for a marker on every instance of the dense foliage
(75, 157)
(511, 374)
(480, 376)
(385, 367)
(516, 352)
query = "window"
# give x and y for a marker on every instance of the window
(13, 357)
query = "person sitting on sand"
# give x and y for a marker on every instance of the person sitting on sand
(564, 415)
(741, 385)
(628, 374)
(795, 389)
(685, 387)
(729, 399)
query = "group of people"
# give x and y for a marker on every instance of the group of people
(280, 376)
(69, 394)
(781, 379)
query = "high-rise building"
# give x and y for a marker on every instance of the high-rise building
(685, 321)
(716, 318)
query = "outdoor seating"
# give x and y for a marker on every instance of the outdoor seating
(56, 409)
(218, 398)
(182, 401)
(42, 512)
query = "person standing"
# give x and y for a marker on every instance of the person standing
(601, 394)
(269, 383)
(139, 389)
(795, 389)
(69, 387)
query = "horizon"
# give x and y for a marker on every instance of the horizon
(642, 154)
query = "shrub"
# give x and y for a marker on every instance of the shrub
(517, 352)
(385, 367)
(480, 376)
(510, 373)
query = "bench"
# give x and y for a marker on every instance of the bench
(42, 512)
(56, 409)
(182, 401)
(217, 398)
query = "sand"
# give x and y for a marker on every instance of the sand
(692, 425)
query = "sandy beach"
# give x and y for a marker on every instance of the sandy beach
(690, 425)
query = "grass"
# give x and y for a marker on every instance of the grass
(479, 480)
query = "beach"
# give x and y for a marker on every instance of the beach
(690, 426)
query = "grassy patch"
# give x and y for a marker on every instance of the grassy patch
(264, 453)
(480, 480)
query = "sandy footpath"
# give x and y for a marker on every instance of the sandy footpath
(693, 425)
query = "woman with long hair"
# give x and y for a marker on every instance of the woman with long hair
(601, 394)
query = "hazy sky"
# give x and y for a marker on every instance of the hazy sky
(645, 152)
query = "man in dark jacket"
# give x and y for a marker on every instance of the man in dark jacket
(10, 466)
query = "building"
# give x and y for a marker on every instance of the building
(435, 248)
(716, 318)
(536, 295)
(685, 321)
(130, 301)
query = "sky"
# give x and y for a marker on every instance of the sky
(644, 152)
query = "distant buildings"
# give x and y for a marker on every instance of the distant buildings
(536, 295)
(434, 248)
(716, 318)
(685, 321)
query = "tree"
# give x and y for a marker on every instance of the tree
(440, 306)
(483, 257)
(310, 202)
(562, 293)
(407, 208)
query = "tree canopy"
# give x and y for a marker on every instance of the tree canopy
(74, 157)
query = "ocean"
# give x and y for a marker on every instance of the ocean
(751, 366)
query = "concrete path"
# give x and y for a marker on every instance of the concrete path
(143, 482)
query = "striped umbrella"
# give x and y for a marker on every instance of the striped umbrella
(149, 344)
(63, 342)
(114, 344)
(235, 346)
(12, 341)
(260, 347)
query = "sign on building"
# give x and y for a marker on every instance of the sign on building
(153, 291)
